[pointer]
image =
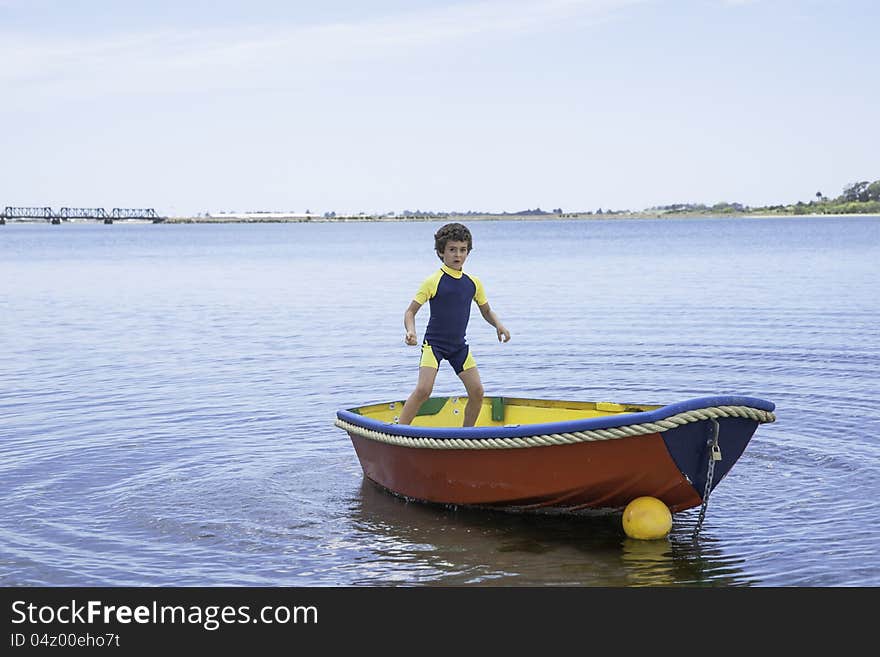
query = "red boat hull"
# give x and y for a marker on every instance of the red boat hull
(596, 475)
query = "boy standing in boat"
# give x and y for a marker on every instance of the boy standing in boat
(450, 292)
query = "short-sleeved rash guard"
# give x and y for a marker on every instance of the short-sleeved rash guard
(450, 293)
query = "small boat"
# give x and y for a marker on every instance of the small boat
(555, 456)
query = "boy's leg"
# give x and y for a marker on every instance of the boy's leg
(420, 395)
(474, 386)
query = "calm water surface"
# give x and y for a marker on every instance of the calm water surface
(167, 397)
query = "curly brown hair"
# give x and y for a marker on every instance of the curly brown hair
(454, 233)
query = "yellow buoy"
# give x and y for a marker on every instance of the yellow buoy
(647, 518)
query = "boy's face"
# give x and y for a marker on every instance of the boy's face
(455, 254)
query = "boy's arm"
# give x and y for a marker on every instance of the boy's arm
(409, 322)
(490, 316)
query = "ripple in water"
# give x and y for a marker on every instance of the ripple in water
(167, 396)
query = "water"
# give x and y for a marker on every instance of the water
(167, 397)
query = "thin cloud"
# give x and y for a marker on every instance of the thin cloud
(165, 61)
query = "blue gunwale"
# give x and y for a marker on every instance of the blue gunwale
(525, 430)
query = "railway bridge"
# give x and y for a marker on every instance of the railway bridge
(46, 213)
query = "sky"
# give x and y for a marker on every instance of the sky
(389, 105)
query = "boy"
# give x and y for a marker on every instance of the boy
(450, 292)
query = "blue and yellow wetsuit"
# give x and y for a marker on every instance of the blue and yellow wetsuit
(450, 293)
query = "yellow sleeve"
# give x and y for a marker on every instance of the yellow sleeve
(428, 288)
(480, 294)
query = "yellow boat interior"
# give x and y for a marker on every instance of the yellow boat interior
(499, 411)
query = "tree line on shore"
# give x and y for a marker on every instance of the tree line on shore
(861, 197)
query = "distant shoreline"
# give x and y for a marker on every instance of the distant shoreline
(317, 219)
(497, 217)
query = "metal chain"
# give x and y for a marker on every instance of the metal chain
(714, 455)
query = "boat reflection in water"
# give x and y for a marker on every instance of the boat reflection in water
(415, 543)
